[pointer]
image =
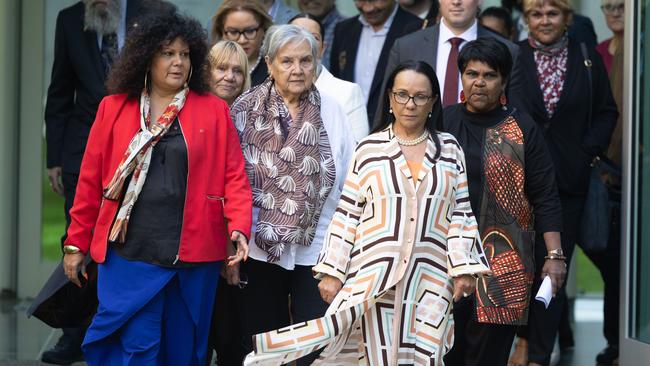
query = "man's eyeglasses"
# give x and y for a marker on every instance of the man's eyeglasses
(234, 34)
(613, 8)
(404, 98)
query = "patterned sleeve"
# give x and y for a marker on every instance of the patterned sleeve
(334, 258)
(464, 248)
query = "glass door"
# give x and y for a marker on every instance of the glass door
(635, 299)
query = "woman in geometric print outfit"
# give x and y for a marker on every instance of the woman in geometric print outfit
(402, 245)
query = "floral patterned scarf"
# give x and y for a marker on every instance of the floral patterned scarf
(136, 160)
(289, 164)
(551, 64)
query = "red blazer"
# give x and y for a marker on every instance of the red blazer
(216, 180)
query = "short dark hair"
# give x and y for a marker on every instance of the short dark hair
(143, 41)
(490, 51)
(310, 17)
(500, 13)
(434, 122)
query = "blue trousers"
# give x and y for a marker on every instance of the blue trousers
(151, 315)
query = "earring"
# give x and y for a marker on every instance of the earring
(146, 74)
(188, 78)
(429, 114)
(462, 97)
(390, 111)
(504, 101)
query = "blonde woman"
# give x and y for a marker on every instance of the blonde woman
(229, 78)
(229, 69)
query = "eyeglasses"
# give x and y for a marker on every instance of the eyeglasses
(610, 9)
(404, 98)
(234, 34)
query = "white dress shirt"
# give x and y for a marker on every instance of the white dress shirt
(444, 48)
(368, 52)
(350, 98)
(342, 145)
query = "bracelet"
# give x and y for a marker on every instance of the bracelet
(555, 257)
(71, 249)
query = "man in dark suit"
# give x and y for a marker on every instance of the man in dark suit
(361, 45)
(87, 40)
(439, 47)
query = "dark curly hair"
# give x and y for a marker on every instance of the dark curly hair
(145, 39)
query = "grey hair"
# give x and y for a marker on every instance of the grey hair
(279, 36)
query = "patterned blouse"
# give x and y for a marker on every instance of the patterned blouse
(551, 72)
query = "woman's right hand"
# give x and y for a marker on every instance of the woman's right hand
(556, 270)
(329, 286)
(72, 264)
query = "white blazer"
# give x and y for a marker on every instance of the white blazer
(350, 97)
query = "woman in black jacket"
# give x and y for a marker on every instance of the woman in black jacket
(567, 92)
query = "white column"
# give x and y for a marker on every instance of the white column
(9, 66)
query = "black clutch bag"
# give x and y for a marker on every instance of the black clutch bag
(61, 304)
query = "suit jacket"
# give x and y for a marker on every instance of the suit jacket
(582, 30)
(284, 13)
(350, 97)
(76, 86)
(573, 139)
(346, 43)
(423, 46)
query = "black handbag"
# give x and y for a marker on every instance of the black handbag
(61, 304)
(597, 211)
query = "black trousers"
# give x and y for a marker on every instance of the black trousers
(225, 331)
(543, 323)
(608, 263)
(276, 297)
(478, 344)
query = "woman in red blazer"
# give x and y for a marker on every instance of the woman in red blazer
(162, 187)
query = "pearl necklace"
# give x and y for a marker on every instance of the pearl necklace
(413, 142)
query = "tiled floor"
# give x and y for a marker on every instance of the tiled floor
(23, 340)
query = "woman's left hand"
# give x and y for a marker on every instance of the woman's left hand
(242, 248)
(464, 285)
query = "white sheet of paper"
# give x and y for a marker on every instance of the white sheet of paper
(545, 293)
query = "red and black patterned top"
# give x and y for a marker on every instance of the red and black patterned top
(511, 178)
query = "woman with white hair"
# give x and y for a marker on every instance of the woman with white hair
(297, 145)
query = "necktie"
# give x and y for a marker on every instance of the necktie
(108, 51)
(450, 95)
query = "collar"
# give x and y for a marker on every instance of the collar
(273, 11)
(469, 35)
(387, 23)
(324, 73)
(330, 17)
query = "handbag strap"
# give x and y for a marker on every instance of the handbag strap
(588, 64)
